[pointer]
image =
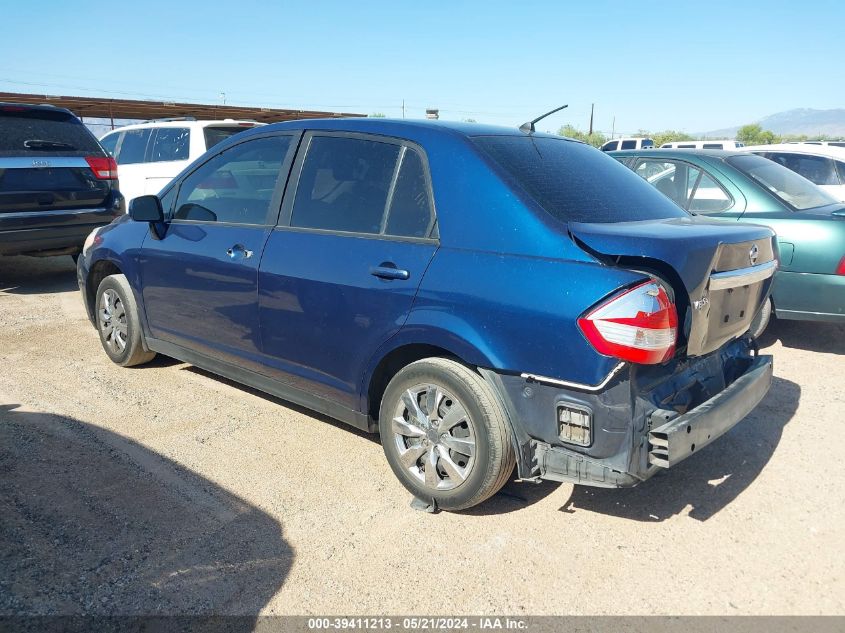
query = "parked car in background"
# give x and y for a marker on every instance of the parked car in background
(627, 143)
(712, 144)
(478, 295)
(828, 143)
(56, 182)
(823, 165)
(744, 187)
(150, 154)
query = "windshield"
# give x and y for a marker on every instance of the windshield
(794, 190)
(574, 182)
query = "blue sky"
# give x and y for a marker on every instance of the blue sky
(651, 65)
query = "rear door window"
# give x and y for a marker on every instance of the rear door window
(629, 145)
(236, 186)
(344, 184)
(708, 196)
(133, 147)
(170, 143)
(410, 212)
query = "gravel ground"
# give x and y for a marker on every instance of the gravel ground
(164, 489)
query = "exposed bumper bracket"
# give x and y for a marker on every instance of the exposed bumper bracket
(677, 439)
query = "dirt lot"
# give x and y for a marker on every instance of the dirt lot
(165, 489)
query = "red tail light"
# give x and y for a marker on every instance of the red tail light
(640, 325)
(104, 167)
(840, 270)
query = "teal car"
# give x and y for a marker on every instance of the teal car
(742, 187)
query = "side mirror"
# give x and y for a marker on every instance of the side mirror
(146, 209)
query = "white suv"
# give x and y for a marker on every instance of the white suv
(149, 155)
(627, 143)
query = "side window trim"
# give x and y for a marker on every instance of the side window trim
(284, 219)
(281, 182)
(392, 189)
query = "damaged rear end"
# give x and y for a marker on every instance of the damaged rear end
(688, 370)
(685, 367)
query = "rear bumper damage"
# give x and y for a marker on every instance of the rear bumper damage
(643, 419)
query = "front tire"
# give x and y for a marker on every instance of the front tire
(118, 324)
(445, 434)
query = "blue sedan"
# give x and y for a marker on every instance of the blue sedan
(484, 298)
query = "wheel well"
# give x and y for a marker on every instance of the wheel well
(98, 272)
(390, 365)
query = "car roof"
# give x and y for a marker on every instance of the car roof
(185, 123)
(393, 127)
(799, 148)
(44, 107)
(675, 152)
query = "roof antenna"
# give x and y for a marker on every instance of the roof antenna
(529, 126)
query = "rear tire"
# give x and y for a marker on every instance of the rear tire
(117, 322)
(445, 434)
(761, 320)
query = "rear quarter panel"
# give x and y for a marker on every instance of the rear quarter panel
(513, 313)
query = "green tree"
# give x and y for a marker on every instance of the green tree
(753, 134)
(596, 139)
(667, 136)
(377, 115)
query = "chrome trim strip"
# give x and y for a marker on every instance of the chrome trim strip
(46, 159)
(576, 385)
(742, 276)
(54, 212)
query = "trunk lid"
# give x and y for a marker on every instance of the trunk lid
(49, 183)
(720, 274)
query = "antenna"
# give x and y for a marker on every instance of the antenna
(529, 126)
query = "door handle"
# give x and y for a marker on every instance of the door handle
(389, 272)
(239, 249)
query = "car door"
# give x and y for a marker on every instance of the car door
(200, 279)
(341, 270)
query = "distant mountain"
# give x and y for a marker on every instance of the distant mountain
(830, 123)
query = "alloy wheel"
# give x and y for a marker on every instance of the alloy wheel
(434, 437)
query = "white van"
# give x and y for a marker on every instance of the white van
(150, 154)
(627, 143)
(714, 144)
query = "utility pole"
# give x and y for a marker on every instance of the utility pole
(403, 108)
(592, 109)
(613, 127)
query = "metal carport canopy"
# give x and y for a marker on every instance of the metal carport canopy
(95, 107)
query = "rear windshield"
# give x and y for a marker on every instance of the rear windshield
(31, 132)
(794, 190)
(576, 183)
(215, 134)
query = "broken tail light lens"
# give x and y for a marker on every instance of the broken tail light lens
(639, 325)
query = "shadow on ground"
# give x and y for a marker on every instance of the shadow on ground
(94, 523)
(708, 481)
(807, 335)
(37, 275)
